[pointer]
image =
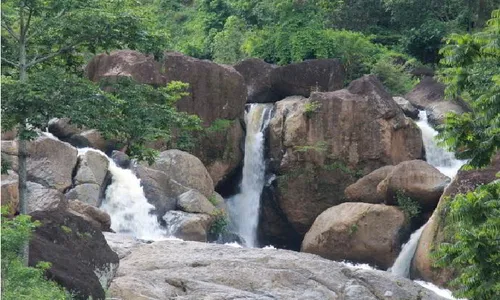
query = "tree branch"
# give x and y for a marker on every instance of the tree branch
(39, 28)
(26, 28)
(8, 28)
(49, 56)
(10, 62)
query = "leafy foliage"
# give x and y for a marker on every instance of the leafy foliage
(393, 75)
(409, 206)
(219, 223)
(475, 248)
(471, 70)
(19, 281)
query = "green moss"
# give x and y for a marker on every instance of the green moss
(310, 108)
(66, 229)
(213, 199)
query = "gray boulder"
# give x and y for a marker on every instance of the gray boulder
(194, 202)
(98, 218)
(409, 110)
(365, 189)
(187, 226)
(41, 198)
(188, 270)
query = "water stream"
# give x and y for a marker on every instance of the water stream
(447, 164)
(244, 207)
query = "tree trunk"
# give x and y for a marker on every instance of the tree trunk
(21, 150)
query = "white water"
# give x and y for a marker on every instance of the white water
(126, 204)
(436, 156)
(244, 207)
(402, 264)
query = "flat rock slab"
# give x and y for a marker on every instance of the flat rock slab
(191, 270)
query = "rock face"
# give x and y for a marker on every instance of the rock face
(188, 226)
(409, 110)
(221, 148)
(185, 169)
(434, 232)
(89, 181)
(257, 75)
(98, 218)
(429, 95)
(316, 75)
(81, 259)
(41, 198)
(211, 271)
(359, 232)
(417, 180)
(10, 192)
(216, 91)
(321, 145)
(365, 189)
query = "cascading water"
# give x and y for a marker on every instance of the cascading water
(244, 207)
(447, 164)
(436, 156)
(127, 206)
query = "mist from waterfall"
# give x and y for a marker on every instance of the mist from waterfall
(126, 204)
(244, 207)
(447, 164)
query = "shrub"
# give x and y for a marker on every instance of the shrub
(213, 199)
(474, 249)
(393, 75)
(409, 206)
(310, 108)
(220, 222)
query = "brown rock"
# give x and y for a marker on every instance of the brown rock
(257, 75)
(315, 75)
(409, 110)
(365, 189)
(216, 91)
(42, 198)
(9, 135)
(98, 218)
(437, 111)
(434, 232)
(417, 180)
(358, 232)
(321, 145)
(62, 128)
(194, 202)
(188, 226)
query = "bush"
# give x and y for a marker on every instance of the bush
(474, 250)
(393, 75)
(19, 281)
(220, 222)
(410, 207)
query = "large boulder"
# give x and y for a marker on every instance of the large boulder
(185, 169)
(434, 233)
(51, 163)
(358, 232)
(81, 260)
(321, 145)
(159, 188)
(409, 110)
(62, 128)
(315, 75)
(215, 91)
(415, 179)
(429, 95)
(365, 189)
(194, 202)
(89, 181)
(257, 75)
(98, 218)
(188, 270)
(42, 198)
(188, 226)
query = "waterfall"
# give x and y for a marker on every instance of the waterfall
(436, 156)
(244, 207)
(402, 264)
(447, 164)
(126, 204)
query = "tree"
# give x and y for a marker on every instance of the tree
(36, 31)
(471, 70)
(474, 249)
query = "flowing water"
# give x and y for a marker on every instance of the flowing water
(244, 207)
(447, 164)
(127, 206)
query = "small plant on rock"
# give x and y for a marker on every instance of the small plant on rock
(220, 222)
(409, 206)
(310, 108)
